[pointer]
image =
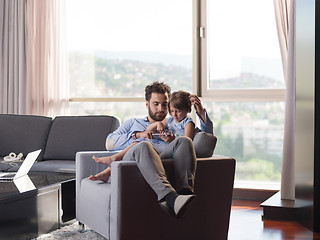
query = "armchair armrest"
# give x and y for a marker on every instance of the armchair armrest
(129, 194)
(86, 166)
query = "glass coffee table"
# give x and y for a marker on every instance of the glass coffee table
(36, 204)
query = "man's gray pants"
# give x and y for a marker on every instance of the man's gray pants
(181, 150)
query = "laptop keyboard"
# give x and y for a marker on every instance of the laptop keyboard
(8, 177)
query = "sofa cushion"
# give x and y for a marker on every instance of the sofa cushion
(204, 144)
(71, 134)
(23, 133)
(4, 167)
(58, 166)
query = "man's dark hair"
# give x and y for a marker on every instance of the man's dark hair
(156, 87)
(180, 100)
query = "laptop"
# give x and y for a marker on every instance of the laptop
(24, 168)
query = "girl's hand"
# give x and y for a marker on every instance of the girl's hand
(167, 138)
(160, 127)
(196, 102)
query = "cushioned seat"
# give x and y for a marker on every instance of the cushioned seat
(56, 166)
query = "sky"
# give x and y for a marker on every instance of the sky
(238, 29)
(248, 30)
(126, 25)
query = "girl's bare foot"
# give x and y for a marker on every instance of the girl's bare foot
(103, 160)
(103, 176)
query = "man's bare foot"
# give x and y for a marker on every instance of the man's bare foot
(103, 176)
(104, 160)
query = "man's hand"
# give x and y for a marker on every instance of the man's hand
(196, 102)
(145, 134)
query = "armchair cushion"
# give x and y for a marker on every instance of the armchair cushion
(204, 144)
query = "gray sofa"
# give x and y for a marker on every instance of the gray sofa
(59, 138)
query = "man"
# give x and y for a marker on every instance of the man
(149, 151)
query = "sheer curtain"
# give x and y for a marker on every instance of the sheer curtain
(13, 84)
(47, 56)
(285, 18)
(33, 57)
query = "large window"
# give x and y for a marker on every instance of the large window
(226, 51)
(118, 47)
(242, 80)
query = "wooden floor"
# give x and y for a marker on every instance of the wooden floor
(246, 224)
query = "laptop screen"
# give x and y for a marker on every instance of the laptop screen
(27, 163)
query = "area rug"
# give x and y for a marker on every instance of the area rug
(71, 232)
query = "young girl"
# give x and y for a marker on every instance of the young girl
(179, 124)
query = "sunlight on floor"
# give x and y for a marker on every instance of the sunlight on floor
(246, 224)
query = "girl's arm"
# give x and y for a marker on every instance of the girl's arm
(158, 126)
(188, 130)
(152, 126)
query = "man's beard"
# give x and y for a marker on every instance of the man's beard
(156, 117)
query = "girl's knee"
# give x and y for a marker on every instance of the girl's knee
(143, 145)
(134, 150)
(185, 140)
